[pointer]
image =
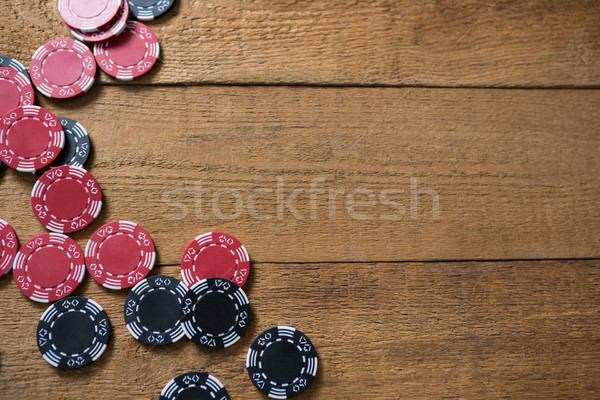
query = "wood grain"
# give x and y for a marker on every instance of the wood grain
(413, 330)
(380, 282)
(537, 43)
(515, 171)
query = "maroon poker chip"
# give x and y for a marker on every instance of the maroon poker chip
(215, 255)
(66, 199)
(49, 267)
(31, 138)
(9, 245)
(89, 15)
(132, 54)
(114, 29)
(63, 68)
(15, 90)
(120, 254)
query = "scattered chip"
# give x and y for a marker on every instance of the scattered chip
(281, 362)
(155, 310)
(77, 145)
(63, 68)
(9, 245)
(31, 138)
(220, 313)
(8, 62)
(120, 254)
(194, 386)
(49, 267)
(114, 29)
(148, 10)
(15, 90)
(73, 333)
(89, 16)
(131, 55)
(215, 255)
(66, 199)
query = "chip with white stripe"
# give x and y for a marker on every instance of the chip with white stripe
(155, 310)
(120, 254)
(63, 69)
(131, 54)
(148, 10)
(73, 333)
(194, 386)
(282, 362)
(49, 267)
(66, 199)
(219, 315)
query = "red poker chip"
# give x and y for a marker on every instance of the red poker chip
(49, 267)
(120, 254)
(15, 90)
(132, 54)
(31, 138)
(114, 29)
(66, 199)
(215, 255)
(88, 15)
(63, 68)
(9, 245)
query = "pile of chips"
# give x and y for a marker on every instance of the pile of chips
(208, 306)
(66, 68)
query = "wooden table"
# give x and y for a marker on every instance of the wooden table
(416, 183)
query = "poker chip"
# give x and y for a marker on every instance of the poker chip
(15, 90)
(8, 62)
(9, 245)
(77, 145)
(66, 199)
(148, 10)
(132, 54)
(73, 333)
(215, 255)
(88, 16)
(194, 386)
(155, 309)
(31, 138)
(120, 254)
(220, 313)
(114, 29)
(63, 68)
(49, 267)
(281, 362)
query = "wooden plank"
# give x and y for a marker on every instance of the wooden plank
(514, 172)
(418, 331)
(537, 43)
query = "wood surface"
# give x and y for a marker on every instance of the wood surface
(534, 43)
(490, 107)
(383, 331)
(515, 171)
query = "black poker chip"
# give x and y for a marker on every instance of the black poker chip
(148, 10)
(281, 362)
(73, 332)
(155, 309)
(220, 313)
(77, 145)
(9, 62)
(194, 386)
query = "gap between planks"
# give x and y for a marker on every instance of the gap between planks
(409, 261)
(338, 86)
